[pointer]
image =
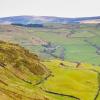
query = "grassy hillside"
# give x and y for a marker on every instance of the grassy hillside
(23, 76)
(20, 71)
(72, 81)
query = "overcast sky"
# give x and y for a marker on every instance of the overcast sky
(61, 8)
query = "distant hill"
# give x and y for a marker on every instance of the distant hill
(46, 19)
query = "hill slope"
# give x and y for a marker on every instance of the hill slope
(19, 72)
(24, 77)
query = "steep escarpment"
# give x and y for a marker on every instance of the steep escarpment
(17, 57)
(20, 70)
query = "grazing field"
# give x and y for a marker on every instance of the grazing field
(74, 42)
(81, 83)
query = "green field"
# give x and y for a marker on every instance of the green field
(72, 40)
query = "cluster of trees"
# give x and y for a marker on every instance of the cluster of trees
(28, 25)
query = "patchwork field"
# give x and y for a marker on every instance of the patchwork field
(77, 43)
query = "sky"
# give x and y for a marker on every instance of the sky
(60, 8)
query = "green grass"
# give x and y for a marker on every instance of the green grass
(79, 82)
(76, 49)
(24, 76)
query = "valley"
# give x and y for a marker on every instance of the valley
(69, 43)
(50, 58)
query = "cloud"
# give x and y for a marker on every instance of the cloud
(63, 8)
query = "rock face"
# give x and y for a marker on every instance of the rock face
(19, 70)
